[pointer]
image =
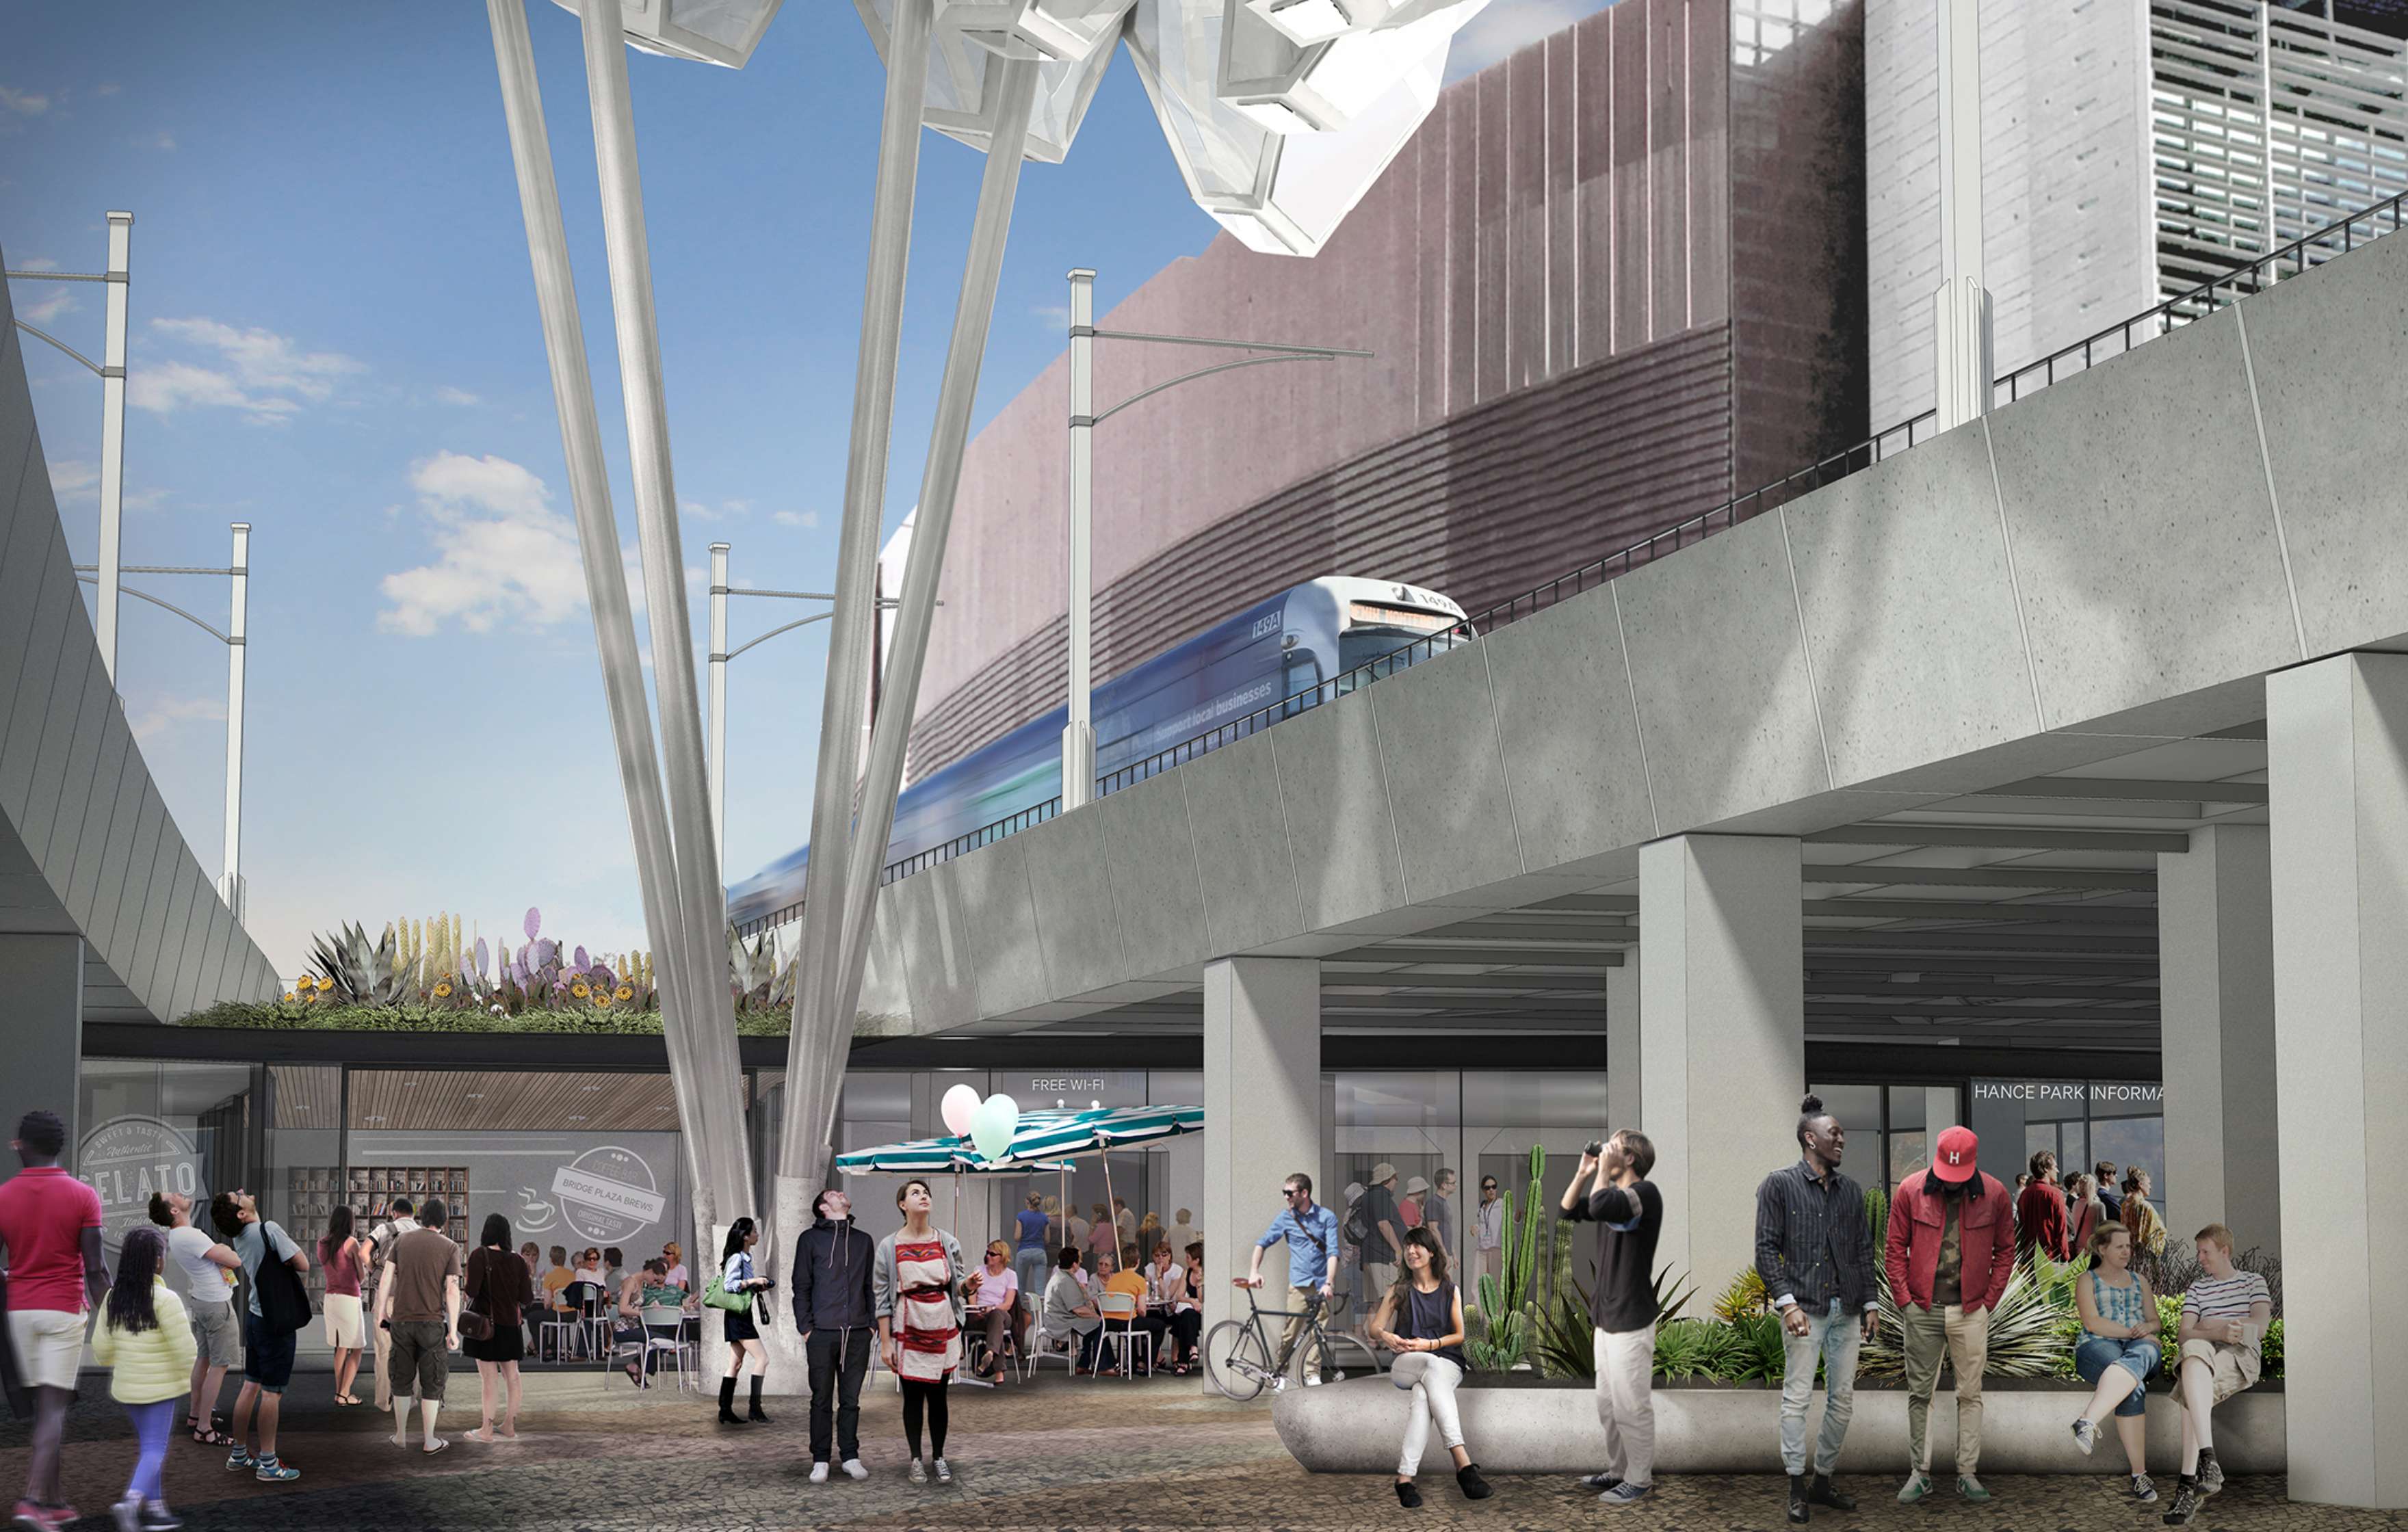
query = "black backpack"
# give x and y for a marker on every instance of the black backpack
(1356, 1231)
(283, 1298)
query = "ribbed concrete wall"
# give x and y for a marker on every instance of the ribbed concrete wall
(2069, 227)
(1562, 224)
(86, 844)
(2118, 560)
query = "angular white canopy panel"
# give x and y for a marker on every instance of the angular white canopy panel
(1073, 37)
(1220, 75)
(720, 32)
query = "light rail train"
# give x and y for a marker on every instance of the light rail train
(1281, 651)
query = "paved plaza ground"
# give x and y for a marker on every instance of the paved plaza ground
(595, 1454)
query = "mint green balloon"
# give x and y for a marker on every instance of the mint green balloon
(998, 1119)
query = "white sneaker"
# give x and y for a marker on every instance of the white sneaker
(944, 1473)
(1312, 1379)
(819, 1473)
(853, 1467)
(917, 1472)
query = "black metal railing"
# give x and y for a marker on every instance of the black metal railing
(2220, 292)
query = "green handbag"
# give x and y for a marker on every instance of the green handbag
(716, 1295)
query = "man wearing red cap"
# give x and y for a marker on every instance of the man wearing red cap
(1951, 1248)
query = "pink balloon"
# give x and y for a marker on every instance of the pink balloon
(959, 1105)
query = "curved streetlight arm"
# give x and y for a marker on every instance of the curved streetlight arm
(145, 595)
(815, 617)
(1204, 372)
(97, 370)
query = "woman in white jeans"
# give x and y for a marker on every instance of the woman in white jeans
(1421, 1320)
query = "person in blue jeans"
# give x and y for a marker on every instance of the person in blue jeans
(1815, 1251)
(1310, 1233)
(2117, 1350)
(1029, 1256)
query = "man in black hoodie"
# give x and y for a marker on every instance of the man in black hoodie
(833, 1311)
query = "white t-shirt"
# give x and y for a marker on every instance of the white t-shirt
(189, 1248)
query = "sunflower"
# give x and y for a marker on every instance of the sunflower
(624, 992)
(602, 999)
(443, 990)
(580, 989)
(325, 984)
(290, 995)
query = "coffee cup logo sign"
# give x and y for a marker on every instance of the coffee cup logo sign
(125, 1160)
(608, 1194)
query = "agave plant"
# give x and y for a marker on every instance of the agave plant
(1744, 1298)
(362, 972)
(2031, 1330)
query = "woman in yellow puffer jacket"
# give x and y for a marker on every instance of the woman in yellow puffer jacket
(145, 1339)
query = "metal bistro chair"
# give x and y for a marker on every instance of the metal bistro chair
(1119, 1311)
(599, 1325)
(1046, 1346)
(562, 1323)
(1016, 1357)
(664, 1330)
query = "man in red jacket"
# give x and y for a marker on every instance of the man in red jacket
(2039, 1212)
(1951, 1248)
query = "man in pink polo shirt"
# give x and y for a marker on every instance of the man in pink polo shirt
(50, 1240)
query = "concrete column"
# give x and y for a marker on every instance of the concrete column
(1621, 1098)
(1940, 1113)
(2336, 757)
(2337, 750)
(1722, 1010)
(1262, 1113)
(42, 975)
(2215, 940)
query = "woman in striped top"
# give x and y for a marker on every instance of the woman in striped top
(919, 1290)
(2224, 1318)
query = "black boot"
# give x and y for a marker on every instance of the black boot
(728, 1415)
(1824, 1493)
(1798, 1511)
(1407, 1496)
(754, 1413)
(1467, 1480)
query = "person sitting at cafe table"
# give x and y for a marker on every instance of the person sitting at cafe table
(1124, 1278)
(994, 1297)
(645, 1288)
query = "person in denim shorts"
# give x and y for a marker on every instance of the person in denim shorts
(2117, 1350)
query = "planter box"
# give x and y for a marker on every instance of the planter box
(1354, 1427)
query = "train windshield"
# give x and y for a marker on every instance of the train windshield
(1400, 635)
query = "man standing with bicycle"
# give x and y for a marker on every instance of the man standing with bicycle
(1311, 1234)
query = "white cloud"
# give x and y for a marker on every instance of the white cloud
(725, 510)
(69, 477)
(24, 103)
(62, 300)
(39, 262)
(263, 371)
(807, 519)
(501, 551)
(158, 715)
(110, 89)
(1056, 315)
(1503, 30)
(447, 394)
(162, 139)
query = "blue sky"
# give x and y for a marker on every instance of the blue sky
(334, 338)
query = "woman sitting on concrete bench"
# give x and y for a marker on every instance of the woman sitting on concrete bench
(1421, 1320)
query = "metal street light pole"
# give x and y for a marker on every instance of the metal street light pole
(237, 621)
(1078, 734)
(110, 370)
(112, 434)
(716, 746)
(230, 886)
(1962, 362)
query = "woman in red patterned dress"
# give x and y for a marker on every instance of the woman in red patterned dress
(919, 1276)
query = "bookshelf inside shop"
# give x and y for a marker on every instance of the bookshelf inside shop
(315, 1190)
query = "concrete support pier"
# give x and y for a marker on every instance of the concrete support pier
(1722, 1008)
(1262, 1095)
(1621, 1051)
(2337, 757)
(2215, 934)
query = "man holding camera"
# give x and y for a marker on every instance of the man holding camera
(1629, 1213)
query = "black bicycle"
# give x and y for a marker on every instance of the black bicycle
(1242, 1360)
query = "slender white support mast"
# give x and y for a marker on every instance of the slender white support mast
(1960, 309)
(112, 438)
(1078, 734)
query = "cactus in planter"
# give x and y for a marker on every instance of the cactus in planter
(1877, 1217)
(1507, 1304)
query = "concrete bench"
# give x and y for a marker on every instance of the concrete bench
(1528, 1426)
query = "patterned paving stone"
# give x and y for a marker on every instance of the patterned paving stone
(596, 1457)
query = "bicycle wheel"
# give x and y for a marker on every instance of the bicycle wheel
(1235, 1359)
(1348, 1355)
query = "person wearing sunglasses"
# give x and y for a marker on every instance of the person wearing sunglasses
(1311, 1234)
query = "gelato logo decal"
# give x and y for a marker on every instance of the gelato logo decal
(125, 1159)
(608, 1194)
